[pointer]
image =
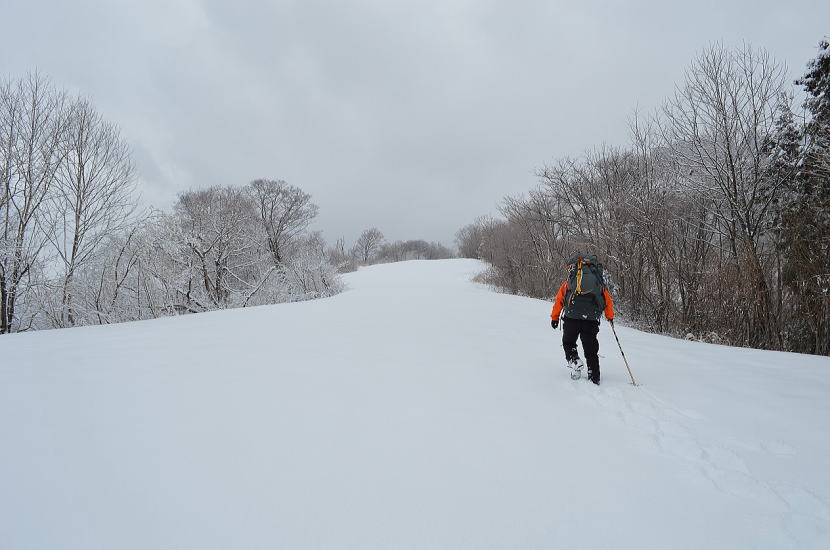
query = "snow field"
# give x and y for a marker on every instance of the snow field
(416, 410)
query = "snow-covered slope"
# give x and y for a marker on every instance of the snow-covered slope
(416, 410)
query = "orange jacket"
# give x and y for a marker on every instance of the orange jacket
(560, 302)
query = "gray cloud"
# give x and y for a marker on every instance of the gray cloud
(411, 116)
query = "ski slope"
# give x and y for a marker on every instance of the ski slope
(416, 410)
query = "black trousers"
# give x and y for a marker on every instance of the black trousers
(587, 331)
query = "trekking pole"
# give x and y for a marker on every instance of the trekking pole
(623, 354)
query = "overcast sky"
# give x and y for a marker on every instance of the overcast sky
(414, 117)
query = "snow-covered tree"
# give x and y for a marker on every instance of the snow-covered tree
(73, 253)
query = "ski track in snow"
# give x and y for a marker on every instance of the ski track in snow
(416, 410)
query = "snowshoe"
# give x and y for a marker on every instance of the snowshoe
(576, 368)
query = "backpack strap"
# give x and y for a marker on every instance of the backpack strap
(598, 271)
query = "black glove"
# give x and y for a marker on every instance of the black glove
(611, 322)
(554, 323)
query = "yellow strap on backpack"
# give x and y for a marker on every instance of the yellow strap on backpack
(579, 277)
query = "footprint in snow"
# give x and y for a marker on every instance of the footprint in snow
(804, 502)
(743, 485)
(777, 448)
(724, 459)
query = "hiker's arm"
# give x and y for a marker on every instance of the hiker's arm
(560, 301)
(609, 304)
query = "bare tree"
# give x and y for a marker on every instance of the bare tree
(93, 198)
(716, 127)
(337, 256)
(284, 211)
(32, 123)
(368, 244)
(109, 285)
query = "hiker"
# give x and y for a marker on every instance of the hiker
(583, 298)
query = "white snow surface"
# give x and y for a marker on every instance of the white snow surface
(416, 410)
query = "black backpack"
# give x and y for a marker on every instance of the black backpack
(585, 298)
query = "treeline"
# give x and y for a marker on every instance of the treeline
(75, 251)
(371, 247)
(714, 223)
